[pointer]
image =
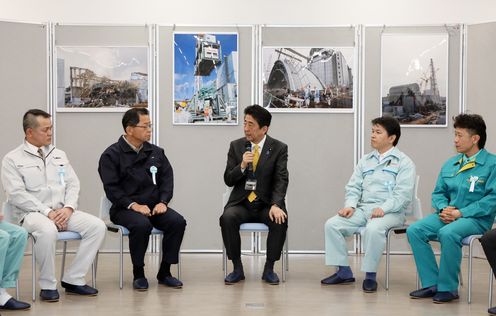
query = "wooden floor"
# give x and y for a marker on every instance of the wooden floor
(204, 292)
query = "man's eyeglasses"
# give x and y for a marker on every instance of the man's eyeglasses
(144, 126)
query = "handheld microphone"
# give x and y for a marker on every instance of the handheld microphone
(248, 148)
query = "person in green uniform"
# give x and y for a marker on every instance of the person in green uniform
(464, 201)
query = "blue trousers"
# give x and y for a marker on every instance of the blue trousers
(450, 237)
(13, 240)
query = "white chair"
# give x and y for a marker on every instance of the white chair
(256, 230)
(64, 236)
(105, 205)
(414, 210)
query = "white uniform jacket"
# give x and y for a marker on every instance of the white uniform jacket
(34, 185)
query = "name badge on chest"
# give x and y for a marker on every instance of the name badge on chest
(251, 184)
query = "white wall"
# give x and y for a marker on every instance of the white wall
(329, 12)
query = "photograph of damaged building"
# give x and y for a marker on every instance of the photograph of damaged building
(307, 79)
(102, 77)
(414, 84)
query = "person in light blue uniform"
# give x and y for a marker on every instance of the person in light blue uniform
(12, 243)
(377, 195)
(464, 201)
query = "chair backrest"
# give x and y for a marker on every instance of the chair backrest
(415, 208)
(105, 206)
(7, 212)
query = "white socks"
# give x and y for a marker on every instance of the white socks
(4, 296)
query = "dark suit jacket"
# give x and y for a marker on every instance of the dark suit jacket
(272, 173)
(127, 178)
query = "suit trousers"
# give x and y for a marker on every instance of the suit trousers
(12, 243)
(488, 242)
(246, 212)
(171, 223)
(92, 230)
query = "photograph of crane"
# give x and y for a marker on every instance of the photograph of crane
(101, 78)
(205, 79)
(305, 79)
(415, 78)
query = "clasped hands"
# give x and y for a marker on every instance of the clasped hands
(348, 212)
(449, 214)
(60, 217)
(160, 208)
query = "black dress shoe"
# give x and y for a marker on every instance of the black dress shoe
(49, 295)
(15, 305)
(425, 292)
(171, 281)
(492, 311)
(444, 297)
(336, 279)
(270, 277)
(84, 290)
(140, 284)
(369, 286)
(234, 277)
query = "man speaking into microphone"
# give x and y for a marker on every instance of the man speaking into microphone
(257, 170)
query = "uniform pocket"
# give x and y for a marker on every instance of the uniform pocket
(33, 176)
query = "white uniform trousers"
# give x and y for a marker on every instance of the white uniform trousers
(92, 230)
(337, 228)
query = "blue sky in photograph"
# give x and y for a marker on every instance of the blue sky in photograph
(184, 62)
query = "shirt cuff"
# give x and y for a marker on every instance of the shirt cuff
(45, 212)
(70, 206)
(129, 206)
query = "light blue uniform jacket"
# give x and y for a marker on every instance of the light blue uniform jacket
(388, 185)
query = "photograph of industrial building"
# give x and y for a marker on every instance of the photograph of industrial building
(305, 79)
(205, 79)
(414, 78)
(101, 78)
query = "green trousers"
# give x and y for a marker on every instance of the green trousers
(450, 237)
(13, 240)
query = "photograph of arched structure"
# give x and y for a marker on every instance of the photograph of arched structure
(307, 79)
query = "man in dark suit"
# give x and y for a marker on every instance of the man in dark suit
(257, 171)
(137, 178)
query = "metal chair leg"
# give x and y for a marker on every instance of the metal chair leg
(470, 256)
(33, 271)
(179, 265)
(491, 280)
(284, 259)
(121, 259)
(94, 266)
(388, 257)
(287, 253)
(283, 266)
(63, 260)
(17, 289)
(224, 260)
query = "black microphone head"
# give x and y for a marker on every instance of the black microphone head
(248, 146)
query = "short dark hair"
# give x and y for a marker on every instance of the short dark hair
(261, 115)
(391, 125)
(474, 123)
(131, 117)
(29, 120)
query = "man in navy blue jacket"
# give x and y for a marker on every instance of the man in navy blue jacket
(137, 178)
